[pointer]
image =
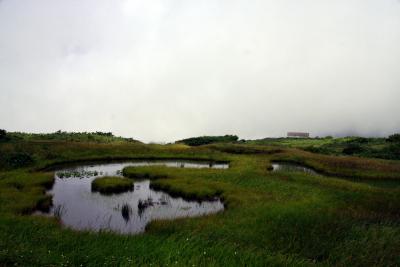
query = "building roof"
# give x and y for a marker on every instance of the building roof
(298, 134)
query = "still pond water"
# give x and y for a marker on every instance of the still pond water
(292, 167)
(79, 208)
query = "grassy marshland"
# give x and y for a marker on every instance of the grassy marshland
(174, 185)
(271, 218)
(111, 184)
(384, 148)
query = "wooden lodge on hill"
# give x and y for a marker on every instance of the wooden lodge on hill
(298, 134)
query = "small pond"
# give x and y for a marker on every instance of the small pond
(292, 167)
(79, 208)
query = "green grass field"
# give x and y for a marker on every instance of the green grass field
(271, 218)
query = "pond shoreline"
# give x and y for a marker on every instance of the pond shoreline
(72, 163)
(79, 207)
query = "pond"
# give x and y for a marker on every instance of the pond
(292, 167)
(79, 208)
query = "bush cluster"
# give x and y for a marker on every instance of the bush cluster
(3, 135)
(352, 148)
(394, 138)
(105, 137)
(205, 140)
(16, 159)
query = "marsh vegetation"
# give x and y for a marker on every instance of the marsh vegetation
(271, 217)
(118, 204)
(384, 148)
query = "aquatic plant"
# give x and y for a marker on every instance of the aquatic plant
(79, 174)
(126, 211)
(58, 211)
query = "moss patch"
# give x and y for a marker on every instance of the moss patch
(110, 185)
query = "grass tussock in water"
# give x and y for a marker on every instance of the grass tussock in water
(168, 180)
(111, 185)
(144, 172)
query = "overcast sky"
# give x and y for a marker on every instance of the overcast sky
(161, 70)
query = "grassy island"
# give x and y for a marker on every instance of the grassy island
(111, 184)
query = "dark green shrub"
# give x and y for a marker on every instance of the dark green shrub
(394, 138)
(110, 134)
(205, 140)
(98, 137)
(394, 150)
(314, 149)
(358, 140)
(18, 159)
(352, 148)
(390, 152)
(3, 135)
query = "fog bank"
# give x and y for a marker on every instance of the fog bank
(162, 70)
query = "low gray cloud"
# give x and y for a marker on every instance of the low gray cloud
(161, 70)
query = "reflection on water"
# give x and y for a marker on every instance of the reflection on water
(80, 208)
(292, 167)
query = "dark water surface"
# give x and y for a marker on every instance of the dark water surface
(292, 167)
(80, 208)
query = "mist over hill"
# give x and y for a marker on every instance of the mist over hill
(167, 70)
